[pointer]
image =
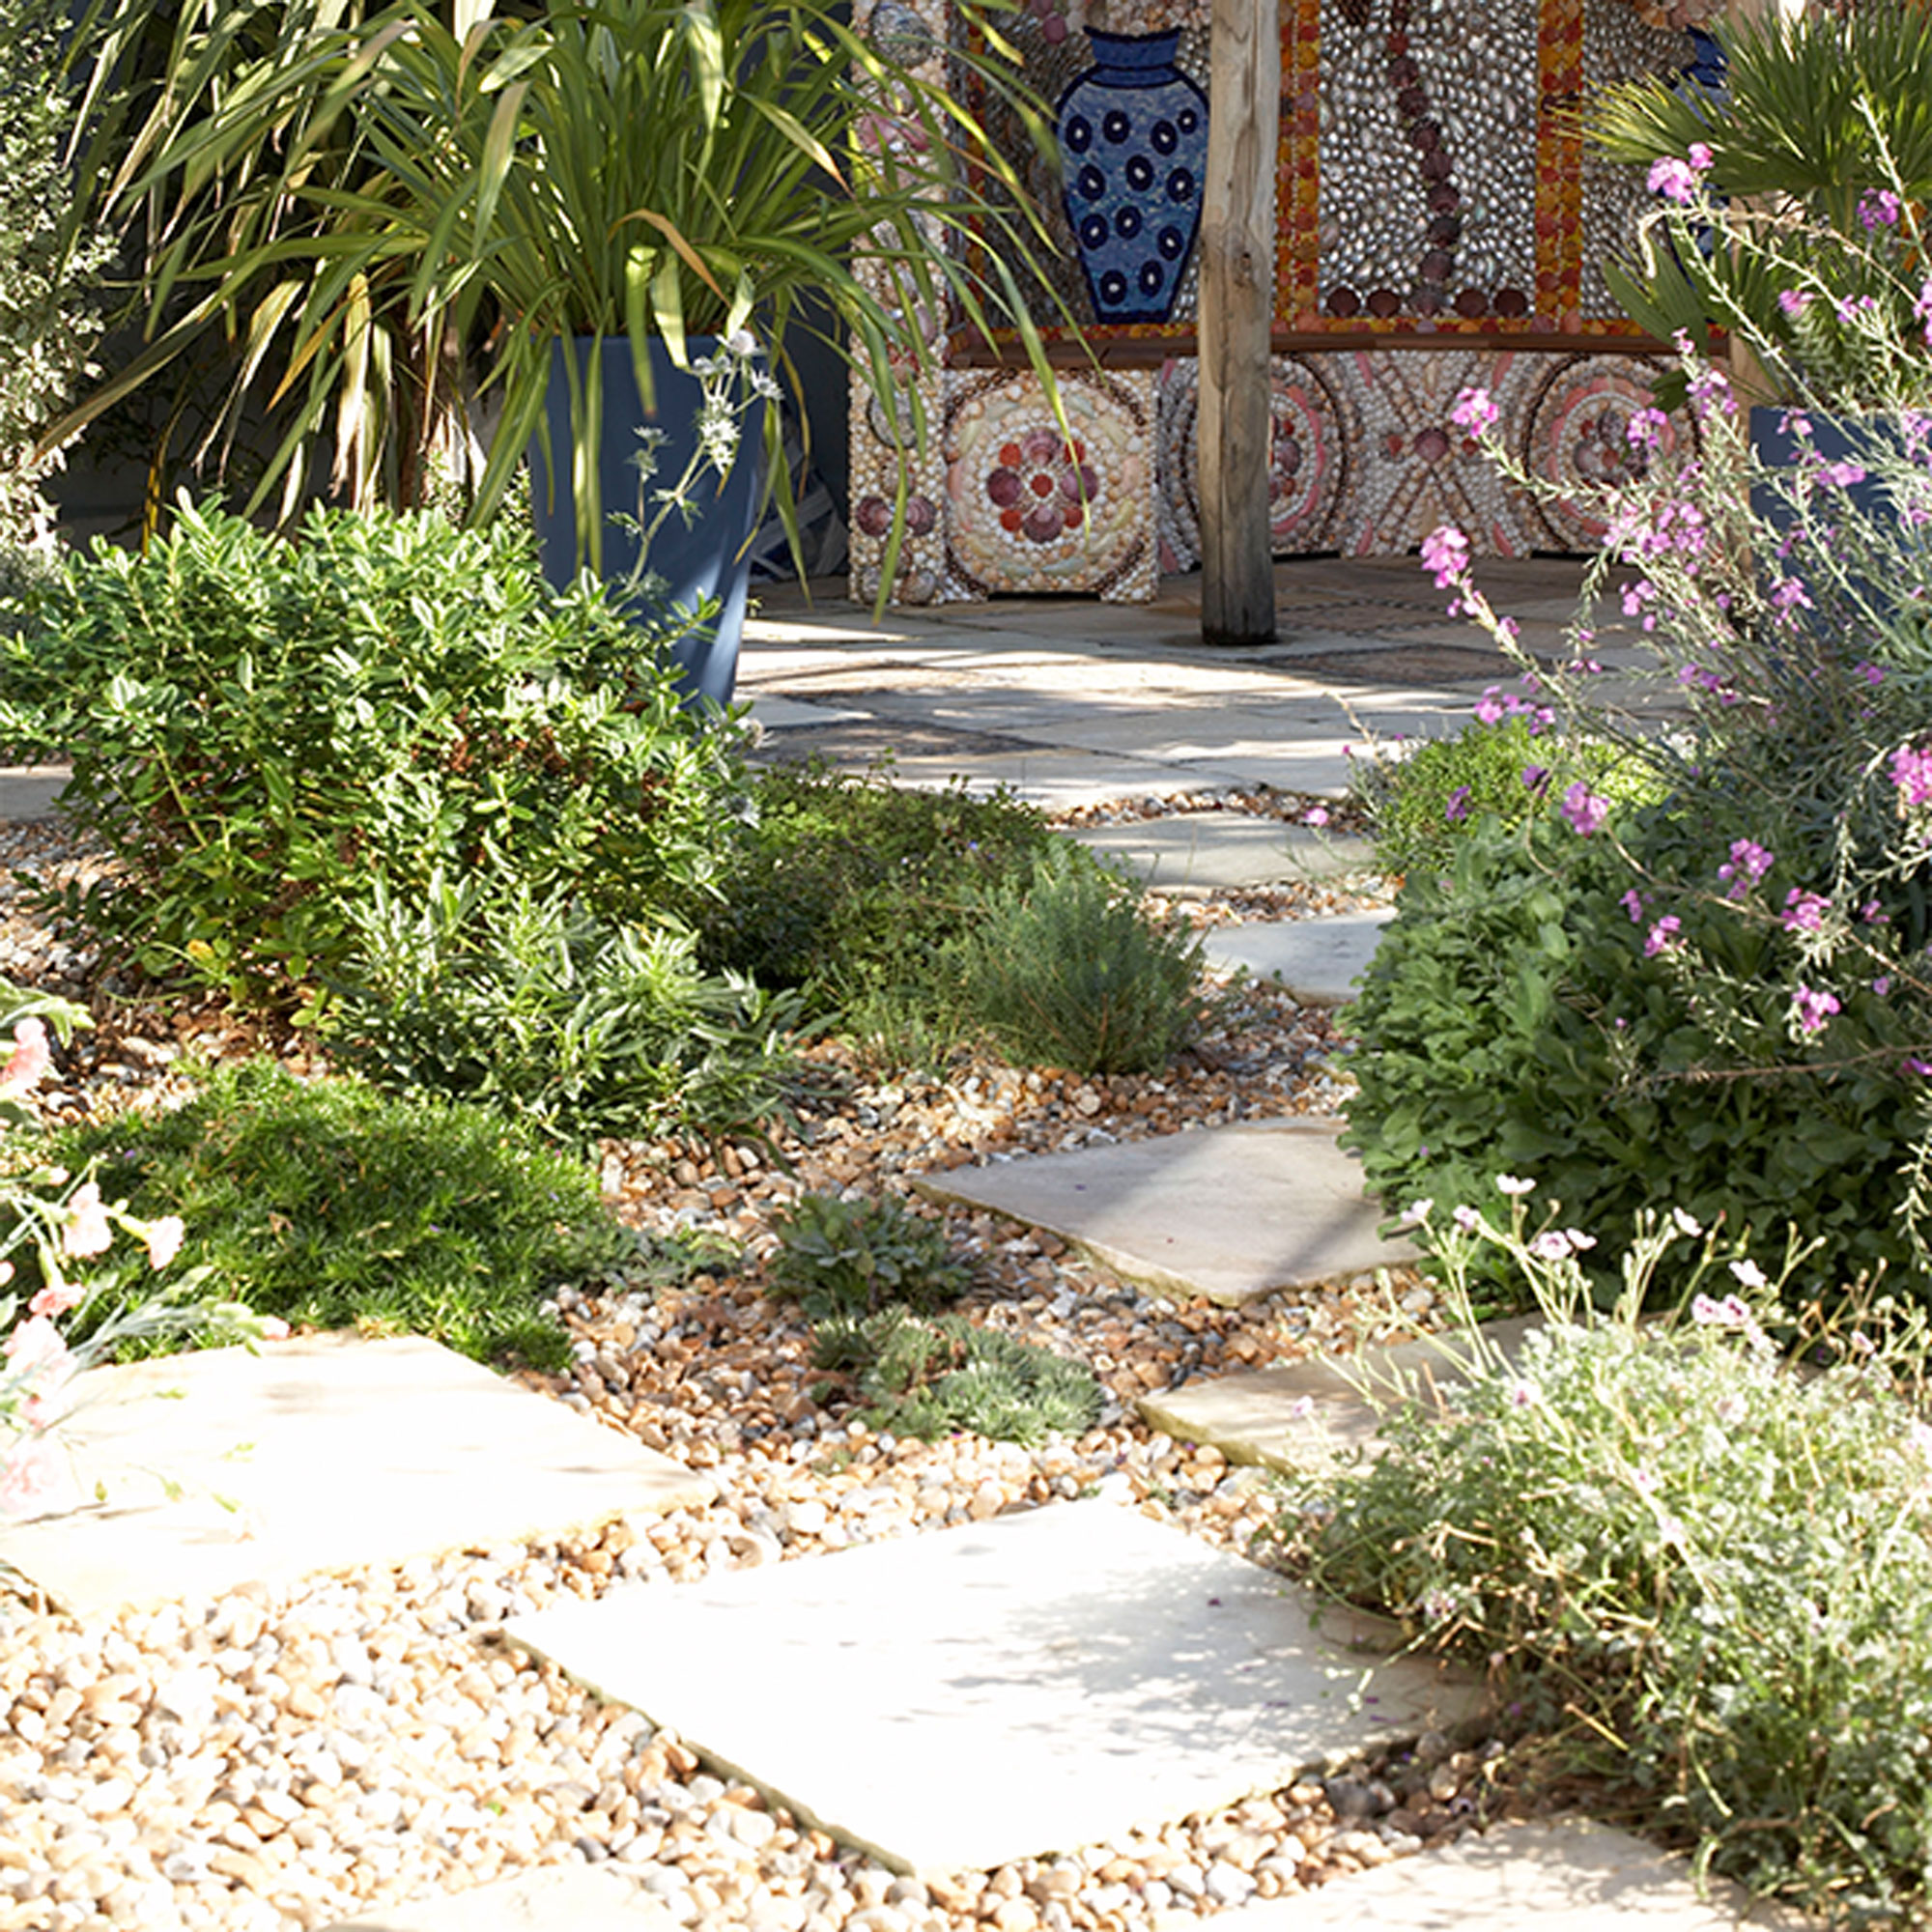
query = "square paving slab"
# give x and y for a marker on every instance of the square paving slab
(1318, 960)
(1042, 1682)
(1221, 850)
(1227, 1212)
(1572, 1876)
(333, 1451)
(1305, 1415)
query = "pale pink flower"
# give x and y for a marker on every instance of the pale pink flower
(36, 1351)
(272, 1328)
(1511, 1184)
(86, 1232)
(1474, 412)
(56, 1298)
(32, 1478)
(29, 1061)
(165, 1240)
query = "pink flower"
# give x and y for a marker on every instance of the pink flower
(1794, 301)
(1812, 1010)
(34, 1480)
(1878, 207)
(1912, 774)
(1584, 809)
(272, 1328)
(1729, 1313)
(36, 1351)
(1804, 912)
(1700, 156)
(1316, 816)
(1445, 551)
(56, 1298)
(1467, 1219)
(1646, 428)
(1474, 412)
(1661, 936)
(1632, 903)
(1458, 808)
(1673, 178)
(29, 1061)
(165, 1240)
(1749, 863)
(86, 1232)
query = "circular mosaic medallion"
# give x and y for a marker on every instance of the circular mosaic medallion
(1577, 432)
(1035, 507)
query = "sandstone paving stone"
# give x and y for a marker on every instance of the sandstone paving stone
(1318, 960)
(552, 1899)
(1226, 1212)
(1306, 1415)
(1032, 1684)
(28, 791)
(1223, 851)
(323, 1452)
(1572, 1874)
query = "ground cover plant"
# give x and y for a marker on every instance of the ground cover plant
(852, 1258)
(1720, 998)
(1699, 1577)
(932, 1376)
(330, 1205)
(832, 871)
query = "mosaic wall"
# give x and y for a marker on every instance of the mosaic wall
(1432, 184)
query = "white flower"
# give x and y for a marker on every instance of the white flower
(1511, 1184)
(1749, 1273)
(1687, 1224)
(1416, 1211)
(1467, 1219)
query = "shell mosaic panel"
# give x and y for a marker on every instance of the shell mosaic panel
(1433, 177)
(1366, 462)
(1032, 506)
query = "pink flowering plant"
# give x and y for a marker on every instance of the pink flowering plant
(62, 1224)
(1719, 994)
(1693, 1576)
(1791, 202)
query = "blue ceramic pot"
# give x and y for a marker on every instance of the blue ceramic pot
(708, 558)
(1133, 138)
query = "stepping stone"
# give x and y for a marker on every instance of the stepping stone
(785, 714)
(1318, 960)
(29, 791)
(1307, 1414)
(1227, 1212)
(1216, 851)
(327, 1452)
(552, 1898)
(1044, 1681)
(1580, 1876)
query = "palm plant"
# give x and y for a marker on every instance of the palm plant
(419, 204)
(1801, 228)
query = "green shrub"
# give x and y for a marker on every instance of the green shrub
(930, 1378)
(1702, 1579)
(263, 730)
(1066, 969)
(1508, 765)
(1514, 1021)
(848, 887)
(327, 1203)
(853, 1258)
(539, 1008)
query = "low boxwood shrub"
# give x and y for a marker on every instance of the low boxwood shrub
(263, 732)
(330, 1205)
(1693, 1576)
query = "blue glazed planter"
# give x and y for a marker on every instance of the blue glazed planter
(708, 558)
(1133, 134)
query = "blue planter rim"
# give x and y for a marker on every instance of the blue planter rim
(1136, 54)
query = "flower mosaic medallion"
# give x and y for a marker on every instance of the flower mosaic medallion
(1576, 422)
(1035, 507)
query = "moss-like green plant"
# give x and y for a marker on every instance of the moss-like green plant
(329, 1204)
(930, 1378)
(854, 1258)
(1068, 969)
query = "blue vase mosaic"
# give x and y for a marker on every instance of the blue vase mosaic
(1133, 140)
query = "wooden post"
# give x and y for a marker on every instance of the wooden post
(1236, 311)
